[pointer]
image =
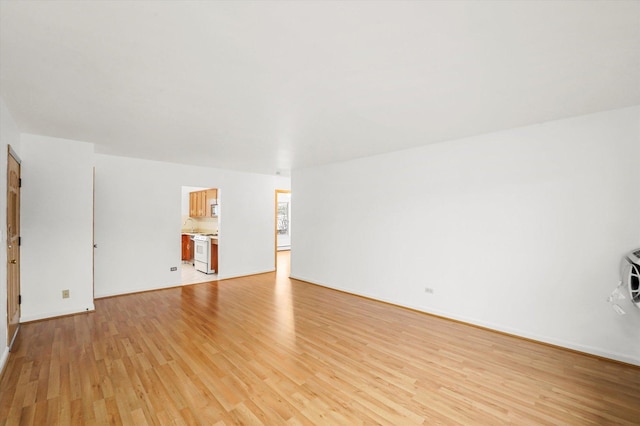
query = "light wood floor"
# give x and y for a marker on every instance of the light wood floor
(269, 350)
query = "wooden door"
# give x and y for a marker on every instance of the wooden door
(13, 246)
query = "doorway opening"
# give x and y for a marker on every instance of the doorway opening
(282, 229)
(199, 232)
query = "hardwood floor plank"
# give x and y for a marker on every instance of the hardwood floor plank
(26, 417)
(101, 413)
(139, 418)
(269, 350)
(53, 411)
(30, 395)
(40, 415)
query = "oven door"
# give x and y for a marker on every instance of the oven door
(201, 255)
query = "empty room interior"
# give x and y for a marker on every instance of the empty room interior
(320, 212)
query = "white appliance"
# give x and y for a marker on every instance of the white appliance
(202, 255)
(631, 275)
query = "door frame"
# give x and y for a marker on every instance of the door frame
(11, 338)
(275, 225)
(93, 236)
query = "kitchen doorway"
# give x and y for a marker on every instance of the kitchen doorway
(282, 227)
(199, 234)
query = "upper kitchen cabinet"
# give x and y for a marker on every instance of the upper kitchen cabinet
(200, 203)
(211, 199)
(193, 204)
(196, 203)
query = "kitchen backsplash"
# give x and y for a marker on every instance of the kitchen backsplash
(207, 225)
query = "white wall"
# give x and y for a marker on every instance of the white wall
(283, 182)
(138, 213)
(137, 223)
(520, 231)
(9, 135)
(57, 226)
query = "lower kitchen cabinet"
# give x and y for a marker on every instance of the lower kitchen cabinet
(214, 254)
(187, 248)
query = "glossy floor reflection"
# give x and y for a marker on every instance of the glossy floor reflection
(285, 330)
(284, 263)
(266, 349)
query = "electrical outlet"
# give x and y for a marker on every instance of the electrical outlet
(174, 268)
(428, 290)
(65, 294)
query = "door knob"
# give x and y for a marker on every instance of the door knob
(13, 262)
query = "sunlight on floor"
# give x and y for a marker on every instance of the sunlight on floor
(191, 276)
(284, 263)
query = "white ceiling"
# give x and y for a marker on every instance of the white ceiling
(269, 85)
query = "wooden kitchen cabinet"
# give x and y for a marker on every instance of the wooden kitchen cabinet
(187, 247)
(196, 204)
(200, 202)
(211, 197)
(214, 254)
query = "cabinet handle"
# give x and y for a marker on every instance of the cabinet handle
(13, 261)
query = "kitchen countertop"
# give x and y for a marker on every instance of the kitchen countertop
(215, 237)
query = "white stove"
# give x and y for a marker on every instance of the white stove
(204, 237)
(202, 253)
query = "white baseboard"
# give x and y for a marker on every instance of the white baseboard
(48, 315)
(217, 277)
(3, 360)
(135, 290)
(514, 332)
(245, 274)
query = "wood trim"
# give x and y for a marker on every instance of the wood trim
(12, 153)
(93, 235)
